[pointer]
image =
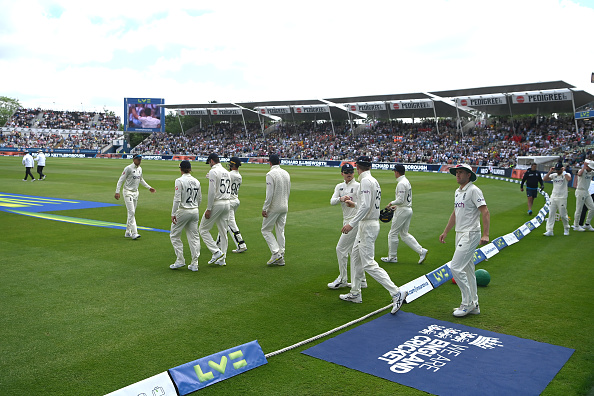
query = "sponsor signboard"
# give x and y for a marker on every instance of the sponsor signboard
(481, 100)
(411, 104)
(193, 112)
(209, 370)
(543, 96)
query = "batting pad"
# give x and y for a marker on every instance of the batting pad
(445, 358)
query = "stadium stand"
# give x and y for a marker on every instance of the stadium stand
(59, 130)
(495, 144)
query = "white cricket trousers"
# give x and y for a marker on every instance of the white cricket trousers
(462, 266)
(187, 219)
(558, 204)
(275, 221)
(362, 258)
(343, 249)
(400, 224)
(219, 215)
(131, 200)
(581, 199)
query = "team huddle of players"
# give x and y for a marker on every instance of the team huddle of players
(360, 202)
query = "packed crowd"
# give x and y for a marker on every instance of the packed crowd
(50, 119)
(87, 140)
(498, 143)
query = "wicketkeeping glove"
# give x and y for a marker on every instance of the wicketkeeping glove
(386, 215)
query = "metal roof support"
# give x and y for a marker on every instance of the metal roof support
(180, 124)
(435, 115)
(574, 119)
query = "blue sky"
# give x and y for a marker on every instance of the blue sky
(74, 55)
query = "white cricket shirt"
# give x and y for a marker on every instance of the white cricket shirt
(219, 185)
(343, 189)
(403, 193)
(278, 189)
(235, 183)
(370, 196)
(187, 193)
(559, 185)
(467, 200)
(131, 177)
(583, 182)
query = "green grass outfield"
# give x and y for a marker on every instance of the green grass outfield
(85, 311)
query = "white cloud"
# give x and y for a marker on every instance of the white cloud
(68, 52)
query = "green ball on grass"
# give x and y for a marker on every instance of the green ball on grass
(482, 277)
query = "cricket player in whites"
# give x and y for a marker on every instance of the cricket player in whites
(583, 197)
(234, 164)
(217, 210)
(367, 218)
(131, 177)
(402, 207)
(346, 194)
(275, 208)
(185, 216)
(558, 198)
(469, 203)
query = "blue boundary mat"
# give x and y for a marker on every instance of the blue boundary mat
(29, 205)
(445, 358)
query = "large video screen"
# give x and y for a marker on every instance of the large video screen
(144, 115)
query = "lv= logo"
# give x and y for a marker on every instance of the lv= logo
(220, 367)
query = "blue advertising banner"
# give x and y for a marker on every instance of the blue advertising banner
(209, 370)
(440, 276)
(478, 257)
(519, 234)
(530, 226)
(580, 115)
(499, 243)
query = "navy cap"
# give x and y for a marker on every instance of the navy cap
(399, 168)
(559, 166)
(212, 156)
(185, 164)
(137, 156)
(274, 159)
(347, 168)
(364, 160)
(236, 162)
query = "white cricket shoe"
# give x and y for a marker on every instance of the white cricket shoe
(389, 259)
(127, 235)
(239, 250)
(193, 267)
(274, 258)
(398, 300)
(338, 283)
(364, 284)
(566, 231)
(423, 255)
(549, 233)
(135, 236)
(215, 256)
(281, 262)
(579, 228)
(177, 265)
(355, 298)
(221, 262)
(588, 227)
(464, 310)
